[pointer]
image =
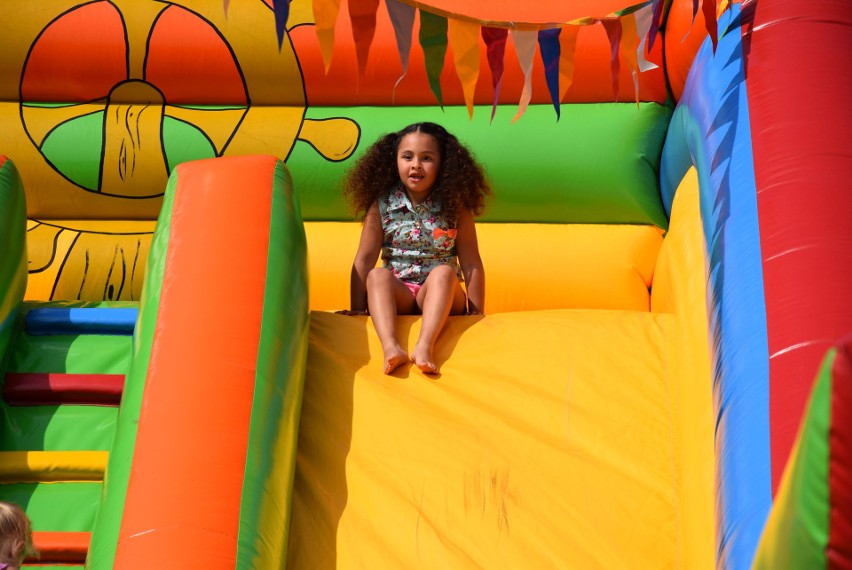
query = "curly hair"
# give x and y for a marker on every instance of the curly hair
(461, 181)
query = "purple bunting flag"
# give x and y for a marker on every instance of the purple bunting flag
(548, 44)
(402, 18)
(282, 14)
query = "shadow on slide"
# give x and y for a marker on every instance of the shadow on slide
(547, 440)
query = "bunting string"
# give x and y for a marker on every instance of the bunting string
(631, 32)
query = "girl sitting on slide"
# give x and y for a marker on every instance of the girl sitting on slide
(418, 190)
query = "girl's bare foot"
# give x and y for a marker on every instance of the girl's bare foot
(422, 357)
(394, 358)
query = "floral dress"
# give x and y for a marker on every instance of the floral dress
(416, 238)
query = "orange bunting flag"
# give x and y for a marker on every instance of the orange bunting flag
(433, 40)
(613, 33)
(402, 18)
(567, 47)
(362, 13)
(495, 45)
(525, 43)
(629, 45)
(325, 18)
(464, 43)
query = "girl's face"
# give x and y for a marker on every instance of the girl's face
(418, 160)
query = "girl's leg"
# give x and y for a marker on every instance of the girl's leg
(441, 296)
(387, 296)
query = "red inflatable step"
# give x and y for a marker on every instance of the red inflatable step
(53, 388)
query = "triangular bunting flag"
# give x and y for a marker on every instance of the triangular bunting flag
(708, 8)
(362, 13)
(567, 46)
(643, 24)
(325, 18)
(525, 43)
(629, 45)
(433, 40)
(495, 44)
(464, 43)
(613, 33)
(402, 18)
(656, 22)
(282, 13)
(548, 41)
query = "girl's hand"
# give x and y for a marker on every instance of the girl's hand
(353, 313)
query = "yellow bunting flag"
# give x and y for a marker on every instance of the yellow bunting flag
(525, 42)
(567, 47)
(464, 43)
(325, 16)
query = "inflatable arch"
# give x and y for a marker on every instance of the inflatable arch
(668, 271)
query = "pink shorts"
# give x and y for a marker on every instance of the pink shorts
(413, 287)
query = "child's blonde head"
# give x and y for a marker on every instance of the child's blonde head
(16, 537)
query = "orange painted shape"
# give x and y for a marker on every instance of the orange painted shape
(190, 63)
(61, 546)
(183, 497)
(79, 57)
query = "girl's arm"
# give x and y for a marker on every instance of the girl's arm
(467, 249)
(365, 260)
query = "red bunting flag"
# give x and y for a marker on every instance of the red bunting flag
(495, 44)
(613, 33)
(362, 14)
(708, 8)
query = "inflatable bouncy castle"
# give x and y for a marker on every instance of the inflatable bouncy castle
(662, 378)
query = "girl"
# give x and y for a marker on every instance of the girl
(418, 190)
(16, 540)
